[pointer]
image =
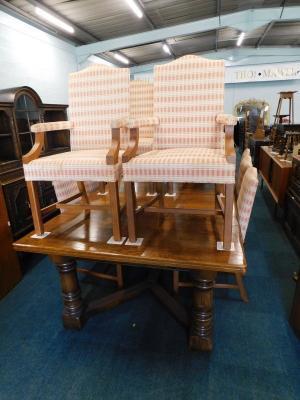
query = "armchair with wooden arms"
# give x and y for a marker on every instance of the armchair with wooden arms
(193, 138)
(98, 95)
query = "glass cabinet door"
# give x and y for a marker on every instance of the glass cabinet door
(27, 114)
(7, 150)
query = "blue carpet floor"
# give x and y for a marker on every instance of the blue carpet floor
(137, 351)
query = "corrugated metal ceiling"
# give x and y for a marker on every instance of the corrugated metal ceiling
(105, 19)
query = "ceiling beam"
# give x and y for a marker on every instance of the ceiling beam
(260, 40)
(249, 20)
(240, 56)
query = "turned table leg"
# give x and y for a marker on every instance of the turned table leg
(202, 311)
(73, 317)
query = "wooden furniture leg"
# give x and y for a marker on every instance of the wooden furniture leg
(113, 191)
(202, 311)
(130, 207)
(242, 289)
(82, 189)
(120, 281)
(229, 195)
(73, 308)
(84, 195)
(35, 207)
(102, 187)
(176, 281)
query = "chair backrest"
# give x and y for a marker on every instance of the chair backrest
(246, 162)
(246, 198)
(188, 95)
(97, 95)
(141, 103)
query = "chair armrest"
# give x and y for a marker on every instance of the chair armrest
(112, 157)
(37, 148)
(51, 126)
(142, 122)
(119, 123)
(39, 130)
(131, 150)
(226, 119)
(229, 144)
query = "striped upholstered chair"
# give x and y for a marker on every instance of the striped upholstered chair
(241, 218)
(98, 95)
(140, 104)
(193, 139)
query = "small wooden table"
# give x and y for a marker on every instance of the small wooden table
(172, 242)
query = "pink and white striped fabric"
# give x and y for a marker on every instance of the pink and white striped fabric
(246, 198)
(51, 126)
(180, 165)
(188, 96)
(246, 162)
(64, 190)
(79, 165)
(97, 95)
(141, 104)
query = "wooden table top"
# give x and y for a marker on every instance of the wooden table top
(170, 241)
(277, 158)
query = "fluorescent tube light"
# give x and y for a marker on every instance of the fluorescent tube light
(166, 49)
(240, 39)
(98, 60)
(135, 8)
(53, 20)
(121, 58)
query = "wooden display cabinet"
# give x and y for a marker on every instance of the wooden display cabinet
(21, 107)
(292, 205)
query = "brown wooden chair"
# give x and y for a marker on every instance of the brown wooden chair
(193, 139)
(98, 95)
(241, 217)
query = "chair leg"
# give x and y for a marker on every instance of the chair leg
(113, 191)
(176, 281)
(161, 191)
(120, 281)
(229, 195)
(170, 188)
(102, 187)
(35, 207)
(82, 189)
(242, 289)
(130, 208)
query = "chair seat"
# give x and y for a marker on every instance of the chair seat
(79, 165)
(196, 165)
(145, 145)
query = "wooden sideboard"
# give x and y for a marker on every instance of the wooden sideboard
(10, 271)
(275, 172)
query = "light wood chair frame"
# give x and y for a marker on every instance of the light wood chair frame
(112, 158)
(130, 194)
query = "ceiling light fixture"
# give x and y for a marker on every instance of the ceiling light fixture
(135, 8)
(121, 58)
(53, 20)
(166, 49)
(240, 39)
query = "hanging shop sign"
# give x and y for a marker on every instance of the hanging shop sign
(263, 72)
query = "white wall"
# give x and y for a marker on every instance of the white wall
(33, 58)
(268, 91)
(235, 92)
